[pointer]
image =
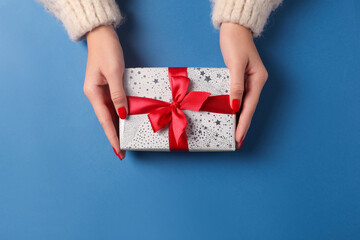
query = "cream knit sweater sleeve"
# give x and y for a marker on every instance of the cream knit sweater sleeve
(252, 14)
(81, 16)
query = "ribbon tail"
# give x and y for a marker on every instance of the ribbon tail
(179, 121)
(177, 145)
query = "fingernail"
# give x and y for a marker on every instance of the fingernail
(235, 105)
(240, 143)
(117, 154)
(122, 112)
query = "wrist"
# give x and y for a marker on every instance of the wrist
(99, 33)
(229, 27)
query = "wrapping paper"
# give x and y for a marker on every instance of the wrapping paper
(205, 131)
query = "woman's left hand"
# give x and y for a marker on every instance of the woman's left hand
(247, 74)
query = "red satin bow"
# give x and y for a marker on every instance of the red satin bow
(162, 113)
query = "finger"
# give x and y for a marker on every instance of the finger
(118, 96)
(103, 111)
(237, 73)
(253, 88)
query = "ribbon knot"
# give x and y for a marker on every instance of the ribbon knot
(175, 105)
(163, 113)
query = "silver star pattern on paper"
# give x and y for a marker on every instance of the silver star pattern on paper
(205, 130)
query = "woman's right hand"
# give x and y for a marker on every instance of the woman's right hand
(104, 81)
(247, 74)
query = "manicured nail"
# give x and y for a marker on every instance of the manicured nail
(240, 143)
(122, 112)
(117, 154)
(235, 105)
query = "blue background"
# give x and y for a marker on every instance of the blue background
(297, 175)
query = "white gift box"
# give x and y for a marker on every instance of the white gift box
(206, 131)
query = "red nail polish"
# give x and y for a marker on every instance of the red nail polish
(240, 144)
(235, 105)
(238, 148)
(117, 154)
(122, 112)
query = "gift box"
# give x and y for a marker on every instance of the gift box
(177, 109)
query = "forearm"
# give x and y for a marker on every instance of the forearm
(251, 14)
(81, 16)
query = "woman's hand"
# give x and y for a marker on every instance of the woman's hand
(247, 73)
(104, 81)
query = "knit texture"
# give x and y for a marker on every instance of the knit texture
(252, 14)
(81, 16)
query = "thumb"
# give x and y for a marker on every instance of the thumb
(117, 93)
(236, 87)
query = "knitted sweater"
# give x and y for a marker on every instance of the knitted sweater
(81, 16)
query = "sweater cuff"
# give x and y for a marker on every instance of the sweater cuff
(251, 14)
(81, 16)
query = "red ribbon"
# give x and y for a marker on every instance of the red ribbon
(161, 113)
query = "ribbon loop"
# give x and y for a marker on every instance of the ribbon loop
(179, 86)
(159, 118)
(194, 100)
